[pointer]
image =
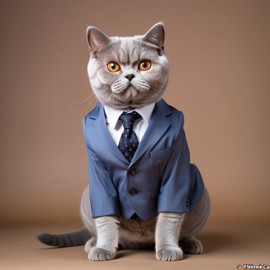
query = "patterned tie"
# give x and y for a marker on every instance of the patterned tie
(128, 143)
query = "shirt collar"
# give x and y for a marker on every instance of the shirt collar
(114, 114)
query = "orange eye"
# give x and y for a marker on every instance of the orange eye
(113, 67)
(145, 65)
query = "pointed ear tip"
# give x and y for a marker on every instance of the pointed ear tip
(90, 28)
(89, 32)
(160, 24)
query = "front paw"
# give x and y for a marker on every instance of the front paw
(90, 244)
(100, 254)
(169, 254)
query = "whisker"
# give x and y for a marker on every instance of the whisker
(86, 99)
(92, 101)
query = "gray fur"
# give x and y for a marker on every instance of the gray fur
(171, 234)
(76, 238)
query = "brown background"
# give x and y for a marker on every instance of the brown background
(220, 65)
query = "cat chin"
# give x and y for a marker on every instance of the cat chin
(124, 106)
(123, 102)
(120, 103)
(131, 105)
(130, 98)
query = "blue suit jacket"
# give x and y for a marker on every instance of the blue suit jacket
(159, 178)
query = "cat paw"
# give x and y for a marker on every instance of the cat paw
(169, 254)
(100, 254)
(191, 246)
(89, 244)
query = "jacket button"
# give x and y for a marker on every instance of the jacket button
(132, 171)
(132, 191)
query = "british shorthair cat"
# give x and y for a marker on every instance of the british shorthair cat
(149, 195)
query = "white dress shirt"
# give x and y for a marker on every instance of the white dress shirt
(116, 128)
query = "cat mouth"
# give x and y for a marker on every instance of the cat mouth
(128, 98)
(132, 91)
(128, 94)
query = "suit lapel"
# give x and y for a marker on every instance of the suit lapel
(100, 127)
(158, 126)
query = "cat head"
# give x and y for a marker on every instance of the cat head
(127, 72)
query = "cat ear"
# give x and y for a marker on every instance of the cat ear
(156, 35)
(96, 39)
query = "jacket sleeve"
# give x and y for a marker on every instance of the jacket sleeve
(174, 190)
(104, 197)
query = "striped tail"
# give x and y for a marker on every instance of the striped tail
(71, 239)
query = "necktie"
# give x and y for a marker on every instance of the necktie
(128, 143)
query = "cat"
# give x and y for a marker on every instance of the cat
(131, 73)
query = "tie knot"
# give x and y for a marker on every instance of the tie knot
(128, 119)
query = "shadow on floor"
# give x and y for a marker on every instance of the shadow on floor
(215, 242)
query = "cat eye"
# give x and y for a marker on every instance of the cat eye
(145, 65)
(113, 67)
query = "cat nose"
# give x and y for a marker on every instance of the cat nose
(130, 76)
